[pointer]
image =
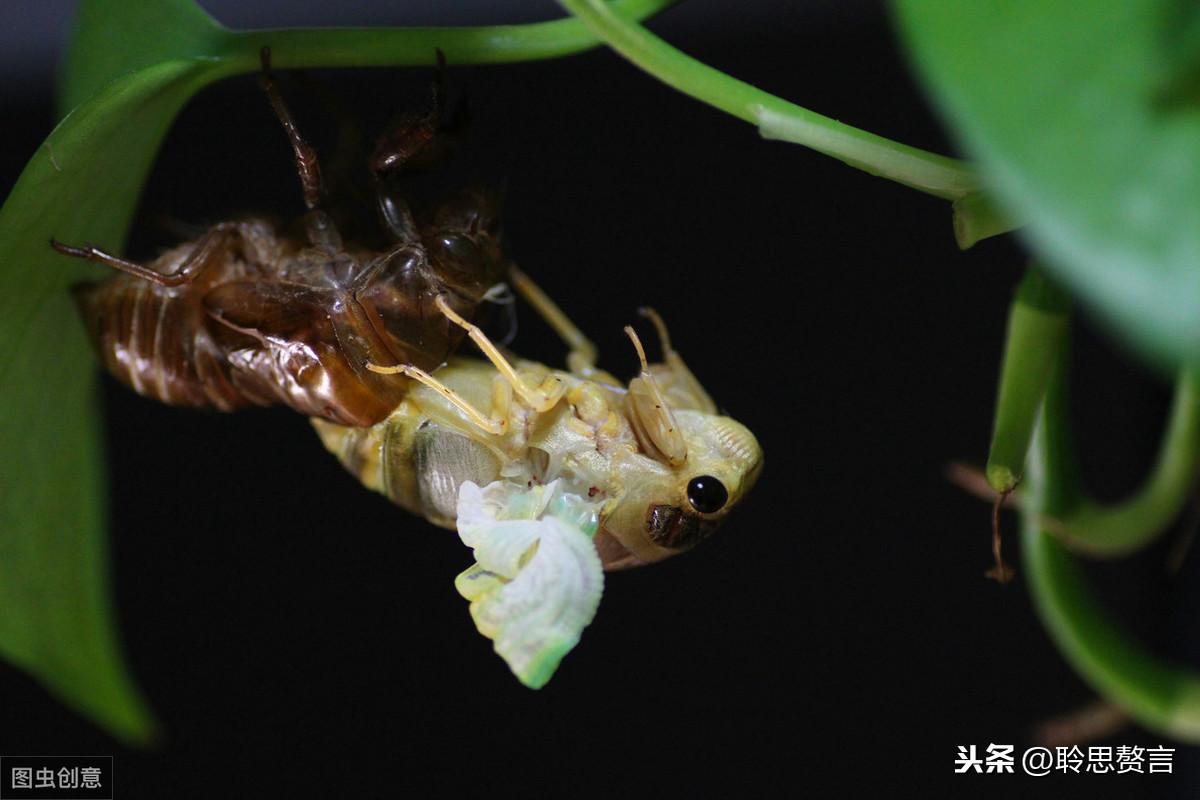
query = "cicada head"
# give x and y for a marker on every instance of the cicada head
(665, 509)
(693, 468)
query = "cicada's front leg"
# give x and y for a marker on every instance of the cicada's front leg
(541, 398)
(495, 423)
(581, 360)
(581, 356)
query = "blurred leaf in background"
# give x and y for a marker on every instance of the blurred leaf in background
(1083, 118)
(81, 185)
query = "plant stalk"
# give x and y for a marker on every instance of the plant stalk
(775, 117)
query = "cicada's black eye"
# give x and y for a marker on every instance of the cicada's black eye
(707, 494)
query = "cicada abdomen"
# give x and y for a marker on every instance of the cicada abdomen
(156, 338)
(413, 460)
(245, 317)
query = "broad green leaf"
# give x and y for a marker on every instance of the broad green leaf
(111, 39)
(132, 66)
(81, 185)
(1084, 118)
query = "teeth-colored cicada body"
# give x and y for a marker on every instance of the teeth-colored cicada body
(665, 467)
(649, 467)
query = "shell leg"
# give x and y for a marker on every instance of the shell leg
(319, 226)
(307, 164)
(209, 249)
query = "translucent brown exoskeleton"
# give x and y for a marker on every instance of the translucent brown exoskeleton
(248, 314)
(667, 466)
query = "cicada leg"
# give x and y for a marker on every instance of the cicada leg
(541, 398)
(581, 358)
(495, 424)
(208, 249)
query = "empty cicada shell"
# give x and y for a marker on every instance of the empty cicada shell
(248, 314)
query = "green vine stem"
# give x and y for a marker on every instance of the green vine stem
(386, 47)
(1038, 329)
(776, 118)
(1110, 531)
(1037, 335)
(976, 217)
(224, 52)
(1162, 696)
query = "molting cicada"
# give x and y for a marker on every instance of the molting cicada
(641, 472)
(551, 476)
(666, 466)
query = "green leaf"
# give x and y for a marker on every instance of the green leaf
(131, 67)
(110, 39)
(1083, 117)
(81, 185)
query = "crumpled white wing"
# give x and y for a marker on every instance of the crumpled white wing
(537, 580)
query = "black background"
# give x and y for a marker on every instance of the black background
(298, 634)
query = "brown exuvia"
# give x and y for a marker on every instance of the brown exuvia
(247, 314)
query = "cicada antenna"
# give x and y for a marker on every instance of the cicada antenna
(641, 351)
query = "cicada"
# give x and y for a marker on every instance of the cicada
(666, 465)
(553, 475)
(250, 314)
(645, 470)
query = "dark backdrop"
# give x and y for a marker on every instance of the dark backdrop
(297, 634)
